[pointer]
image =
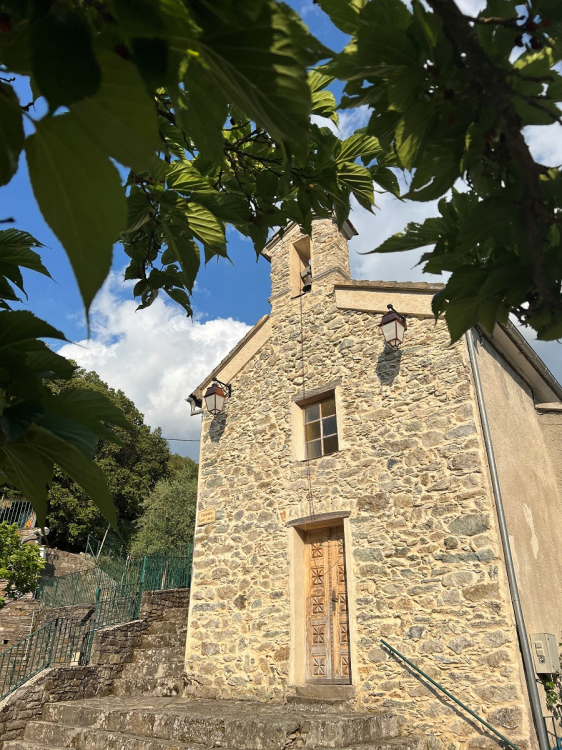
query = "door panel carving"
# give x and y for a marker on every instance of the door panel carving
(327, 624)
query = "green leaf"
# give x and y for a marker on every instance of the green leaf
(62, 59)
(21, 325)
(14, 48)
(359, 144)
(139, 210)
(80, 196)
(89, 407)
(86, 474)
(16, 419)
(15, 249)
(31, 472)
(72, 432)
(412, 133)
(185, 250)
(121, 118)
(358, 179)
(323, 102)
(415, 236)
(11, 133)
(206, 227)
(343, 13)
(202, 112)
(258, 68)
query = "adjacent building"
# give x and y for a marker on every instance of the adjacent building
(346, 496)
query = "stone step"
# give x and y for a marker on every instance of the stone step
(163, 640)
(160, 687)
(155, 668)
(45, 734)
(158, 655)
(27, 745)
(235, 725)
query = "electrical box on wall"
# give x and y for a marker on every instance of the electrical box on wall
(544, 647)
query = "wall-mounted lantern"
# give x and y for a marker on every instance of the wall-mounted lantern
(393, 326)
(215, 396)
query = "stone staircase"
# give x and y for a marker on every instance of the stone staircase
(143, 723)
(156, 668)
(147, 712)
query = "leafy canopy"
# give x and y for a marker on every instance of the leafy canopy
(132, 467)
(20, 564)
(41, 426)
(450, 96)
(168, 517)
(208, 104)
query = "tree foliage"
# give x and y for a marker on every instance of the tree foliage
(450, 96)
(209, 106)
(131, 466)
(20, 564)
(168, 517)
(42, 426)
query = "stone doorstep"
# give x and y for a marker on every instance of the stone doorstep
(235, 725)
(130, 742)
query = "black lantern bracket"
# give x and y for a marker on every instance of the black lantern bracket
(227, 387)
(390, 308)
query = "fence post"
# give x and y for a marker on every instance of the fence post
(94, 621)
(141, 586)
(53, 638)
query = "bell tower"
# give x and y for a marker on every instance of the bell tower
(302, 264)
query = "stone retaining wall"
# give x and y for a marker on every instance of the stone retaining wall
(112, 648)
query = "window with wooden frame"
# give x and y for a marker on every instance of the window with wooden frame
(320, 427)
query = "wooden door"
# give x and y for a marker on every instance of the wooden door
(327, 624)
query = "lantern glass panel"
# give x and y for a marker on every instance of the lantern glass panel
(389, 330)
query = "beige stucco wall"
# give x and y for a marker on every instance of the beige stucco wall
(423, 552)
(528, 452)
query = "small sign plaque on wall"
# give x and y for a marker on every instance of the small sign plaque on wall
(206, 516)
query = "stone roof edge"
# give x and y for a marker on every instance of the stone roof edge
(521, 343)
(409, 286)
(347, 229)
(232, 353)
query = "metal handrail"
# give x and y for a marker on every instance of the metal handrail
(450, 695)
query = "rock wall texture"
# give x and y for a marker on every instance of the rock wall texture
(113, 648)
(424, 564)
(17, 620)
(61, 563)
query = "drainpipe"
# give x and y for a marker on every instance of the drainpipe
(528, 667)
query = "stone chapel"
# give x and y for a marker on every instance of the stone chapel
(349, 494)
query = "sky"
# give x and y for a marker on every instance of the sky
(158, 356)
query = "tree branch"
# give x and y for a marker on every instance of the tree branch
(494, 86)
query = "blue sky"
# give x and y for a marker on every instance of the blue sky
(158, 356)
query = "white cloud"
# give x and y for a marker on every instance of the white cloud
(390, 217)
(156, 357)
(545, 143)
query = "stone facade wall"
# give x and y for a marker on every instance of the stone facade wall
(424, 564)
(112, 649)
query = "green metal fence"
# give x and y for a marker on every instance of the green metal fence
(114, 592)
(160, 570)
